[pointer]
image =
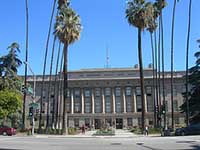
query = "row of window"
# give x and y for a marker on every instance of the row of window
(108, 92)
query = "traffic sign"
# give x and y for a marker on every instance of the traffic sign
(34, 105)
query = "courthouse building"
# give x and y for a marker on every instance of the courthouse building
(111, 96)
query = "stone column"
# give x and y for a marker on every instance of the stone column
(113, 101)
(124, 99)
(92, 90)
(82, 101)
(72, 101)
(134, 101)
(103, 101)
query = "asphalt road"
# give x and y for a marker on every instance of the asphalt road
(99, 143)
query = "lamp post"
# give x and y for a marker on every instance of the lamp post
(34, 86)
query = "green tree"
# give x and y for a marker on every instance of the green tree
(10, 62)
(67, 29)
(10, 103)
(138, 13)
(194, 93)
(9, 65)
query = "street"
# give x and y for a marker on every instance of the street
(99, 143)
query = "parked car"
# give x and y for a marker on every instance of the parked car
(5, 130)
(193, 129)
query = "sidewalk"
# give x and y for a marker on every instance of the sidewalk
(89, 134)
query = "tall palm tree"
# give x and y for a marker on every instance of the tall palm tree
(26, 59)
(172, 62)
(187, 69)
(138, 13)
(44, 67)
(67, 29)
(160, 4)
(50, 85)
(152, 25)
(55, 101)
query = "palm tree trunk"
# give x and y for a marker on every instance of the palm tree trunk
(187, 70)
(172, 64)
(153, 95)
(59, 93)
(44, 67)
(141, 77)
(54, 88)
(25, 78)
(156, 70)
(159, 80)
(163, 72)
(49, 87)
(65, 88)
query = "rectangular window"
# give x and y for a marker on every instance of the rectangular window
(107, 92)
(77, 92)
(148, 91)
(128, 91)
(129, 104)
(175, 105)
(118, 91)
(87, 93)
(97, 92)
(129, 121)
(77, 107)
(76, 122)
(138, 91)
(108, 105)
(139, 103)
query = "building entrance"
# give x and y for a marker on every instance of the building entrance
(119, 123)
(97, 123)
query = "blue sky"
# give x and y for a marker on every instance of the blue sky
(104, 26)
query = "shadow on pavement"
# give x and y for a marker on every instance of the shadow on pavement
(8, 149)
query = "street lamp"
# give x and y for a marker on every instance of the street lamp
(34, 86)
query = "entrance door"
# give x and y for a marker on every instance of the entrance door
(119, 123)
(97, 123)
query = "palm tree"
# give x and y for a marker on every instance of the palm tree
(67, 29)
(172, 62)
(187, 69)
(55, 87)
(50, 85)
(152, 29)
(62, 3)
(160, 4)
(138, 13)
(44, 67)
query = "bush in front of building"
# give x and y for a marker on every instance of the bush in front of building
(154, 130)
(105, 132)
(72, 131)
(136, 130)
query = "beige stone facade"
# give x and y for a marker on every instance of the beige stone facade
(110, 97)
